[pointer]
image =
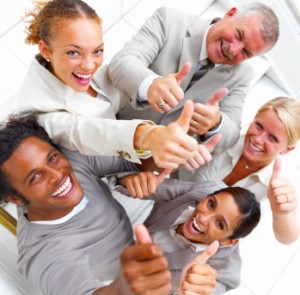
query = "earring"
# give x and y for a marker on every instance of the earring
(48, 59)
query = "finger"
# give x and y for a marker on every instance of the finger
(213, 142)
(215, 99)
(181, 74)
(186, 115)
(142, 235)
(277, 169)
(209, 252)
(162, 175)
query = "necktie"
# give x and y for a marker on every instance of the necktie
(201, 69)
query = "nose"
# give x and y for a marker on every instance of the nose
(205, 218)
(236, 48)
(259, 138)
(55, 175)
(88, 63)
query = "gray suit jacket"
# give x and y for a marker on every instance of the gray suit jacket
(171, 199)
(167, 40)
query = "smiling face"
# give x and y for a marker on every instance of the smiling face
(75, 52)
(265, 139)
(232, 40)
(214, 218)
(44, 177)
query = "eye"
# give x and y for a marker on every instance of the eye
(99, 51)
(73, 53)
(220, 224)
(35, 177)
(211, 203)
(53, 158)
(273, 138)
(259, 126)
(239, 35)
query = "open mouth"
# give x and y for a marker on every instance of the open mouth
(196, 226)
(225, 50)
(64, 189)
(82, 79)
(254, 147)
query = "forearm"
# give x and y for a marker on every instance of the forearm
(286, 228)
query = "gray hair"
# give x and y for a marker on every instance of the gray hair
(269, 20)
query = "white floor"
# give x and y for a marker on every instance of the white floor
(269, 268)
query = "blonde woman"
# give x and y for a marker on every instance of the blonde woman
(251, 163)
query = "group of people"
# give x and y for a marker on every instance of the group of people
(171, 99)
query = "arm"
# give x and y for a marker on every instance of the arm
(170, 145)
(144, 269)
(283, 200)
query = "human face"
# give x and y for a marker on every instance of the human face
(75, 52)
(232, 40)
(45, 178)
(214, 218)
(265, 139)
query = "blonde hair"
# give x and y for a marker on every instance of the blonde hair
(288, 111)
(48, 16)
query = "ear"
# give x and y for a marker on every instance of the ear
(231, 12)
(44, 50)
(287, 150)
(228, 242)
(15, 200)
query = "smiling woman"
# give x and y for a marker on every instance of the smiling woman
(251, 163)
(75, 99)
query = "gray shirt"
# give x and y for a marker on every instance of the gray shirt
(81, 254)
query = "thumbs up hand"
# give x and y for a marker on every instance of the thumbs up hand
(197, 277)
(164, 93)
(171, 145)
(281, 192)
(207, 115)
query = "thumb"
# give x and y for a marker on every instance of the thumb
(142, 235)
(214, 100)
(181, 74)
(160, 178)
(186, 115)
(277, 168)
(213, 142)
(209, 252)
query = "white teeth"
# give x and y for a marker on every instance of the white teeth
(254, 147)
(195, 224)
(83, 76)
(63, 189)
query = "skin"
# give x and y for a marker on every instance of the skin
(266, 138)
(41, 171)
(76, 49)
(216, 216)
(233, 40)
(38, 171)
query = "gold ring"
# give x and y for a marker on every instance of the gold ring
(287, 198)
(161, 105)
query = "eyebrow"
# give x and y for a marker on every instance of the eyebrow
(223, 219)
(31, 172)
(76, 46)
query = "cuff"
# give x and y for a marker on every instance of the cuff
(144, 86)
(211, 132)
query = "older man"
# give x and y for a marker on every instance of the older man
(177, 56)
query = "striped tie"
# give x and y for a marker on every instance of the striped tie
(202, 68)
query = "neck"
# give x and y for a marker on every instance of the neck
(250, 166)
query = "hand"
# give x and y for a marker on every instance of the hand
(281, 192)
(165, 93)
(140, 185)
(171, 145)
(203, 155)
(144, 267)
(207, 115)
(197, 277)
